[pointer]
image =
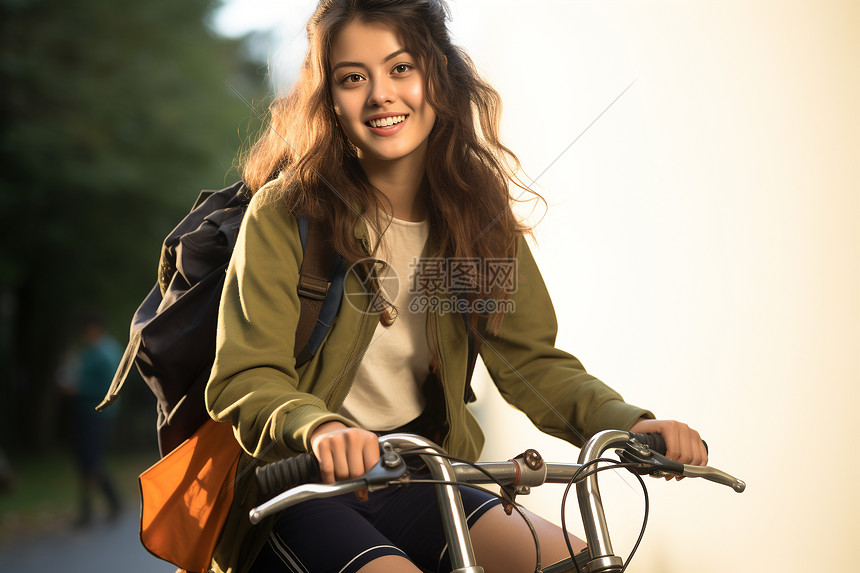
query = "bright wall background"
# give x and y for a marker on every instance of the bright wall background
(701, 247)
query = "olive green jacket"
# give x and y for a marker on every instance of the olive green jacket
(274, 406)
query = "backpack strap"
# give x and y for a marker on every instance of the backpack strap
(320, 288)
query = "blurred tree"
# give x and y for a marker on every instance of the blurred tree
(114, 114)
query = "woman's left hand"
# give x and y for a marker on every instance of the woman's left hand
(683, 443)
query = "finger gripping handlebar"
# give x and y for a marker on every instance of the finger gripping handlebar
(653, 441)
(656, 442)
(287, 473)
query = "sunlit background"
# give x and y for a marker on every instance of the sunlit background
(700, 162)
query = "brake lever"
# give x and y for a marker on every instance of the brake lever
(390, 469)
(650, 462)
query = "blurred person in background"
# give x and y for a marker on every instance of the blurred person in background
(86, 374)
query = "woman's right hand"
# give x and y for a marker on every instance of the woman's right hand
(344, 453)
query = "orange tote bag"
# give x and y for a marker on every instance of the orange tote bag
(186, 496)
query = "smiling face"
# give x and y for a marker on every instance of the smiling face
(378, 93)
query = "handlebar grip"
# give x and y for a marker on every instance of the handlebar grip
(656, 442)
(284, 474)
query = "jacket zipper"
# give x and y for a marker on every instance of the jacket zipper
(436, 351)
(354, 367)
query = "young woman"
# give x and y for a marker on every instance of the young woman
(390, 140)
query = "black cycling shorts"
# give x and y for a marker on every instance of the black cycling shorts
(342, 534)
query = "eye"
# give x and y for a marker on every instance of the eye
(351, 79)
(402, 68)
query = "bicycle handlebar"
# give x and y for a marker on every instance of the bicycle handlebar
(304, 468)
(285, 474)
(641, 451)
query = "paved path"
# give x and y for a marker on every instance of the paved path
(104, 548)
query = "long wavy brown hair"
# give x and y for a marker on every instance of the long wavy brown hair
(467, 167)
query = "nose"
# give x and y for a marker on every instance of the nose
(381, 91)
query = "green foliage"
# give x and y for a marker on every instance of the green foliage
(114, 115)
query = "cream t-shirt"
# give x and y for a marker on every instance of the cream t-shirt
(387, 389)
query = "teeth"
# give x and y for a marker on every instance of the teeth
(387, 121)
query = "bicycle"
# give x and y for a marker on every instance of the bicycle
(640, 453)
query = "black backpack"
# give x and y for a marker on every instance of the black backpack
(172, 335)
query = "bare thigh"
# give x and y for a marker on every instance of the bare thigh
(503, 543)
(390, 564)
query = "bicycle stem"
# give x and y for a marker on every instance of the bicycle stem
(603, 559)
(450, 504)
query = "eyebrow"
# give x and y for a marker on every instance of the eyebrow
(360, 65)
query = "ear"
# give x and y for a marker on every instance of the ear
(444, 57)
